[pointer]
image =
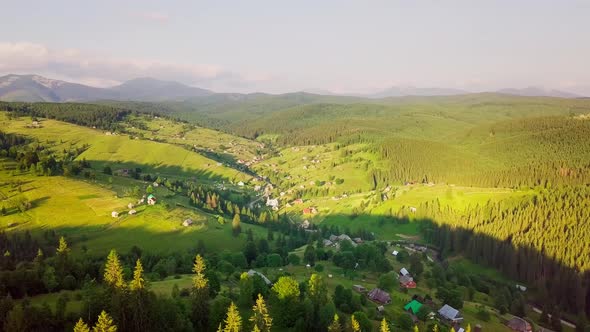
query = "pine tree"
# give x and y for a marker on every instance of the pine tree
(435, 328)
(356, 327)
(81, 326)
(233, 321)
(62, 249)
(453, 329)
(113, 271)
(200, 296)
(260, 317)
(235, 225)
(335, 326)
(468, 328)
(138, 283)
(104, 323)
(317, 290)
(416, 328)
(199, 280)
(384, 326)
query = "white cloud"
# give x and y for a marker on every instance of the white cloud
(102, 70)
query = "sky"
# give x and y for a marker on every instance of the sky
(281, 46)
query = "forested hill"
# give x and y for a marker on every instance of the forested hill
(476, 139)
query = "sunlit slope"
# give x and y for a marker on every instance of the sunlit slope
(119, 151)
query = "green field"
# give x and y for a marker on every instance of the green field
(81, 210)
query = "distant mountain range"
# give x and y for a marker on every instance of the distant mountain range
(35, 88)
(538, 92)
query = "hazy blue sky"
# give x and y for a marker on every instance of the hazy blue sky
(279, 46)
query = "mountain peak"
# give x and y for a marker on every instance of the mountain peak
(35, 88)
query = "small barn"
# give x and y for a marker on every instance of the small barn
(413, 307)
(187, 222)
(359, 288)
(379, 296)
(252, 273)
(395, 253)
(450, 314)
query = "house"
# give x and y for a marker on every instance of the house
(413, 307)
(241, 184)
(404, 272)
(251, 273)
(450, 314)
(359, 288)
(521, 288)
(413, 209)
(305, 224)
(379, 296)
(519, 324)
(407, 281)
(307, 211)
(395, 252)
(380, 309)
(130, 206)
(115, 214)
(333, 238)
(132, 212)
(343, 237)
(151, 199)
(298, 201)
(282, 193)
(328, 243)
(273, 203)
(358, 240)
(187, 222)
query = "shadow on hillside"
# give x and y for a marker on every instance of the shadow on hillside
(565, 286)
(155, 170)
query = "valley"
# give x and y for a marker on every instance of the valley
(265, 190)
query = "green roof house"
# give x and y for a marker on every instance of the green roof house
(151, 199)
(413, 307)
